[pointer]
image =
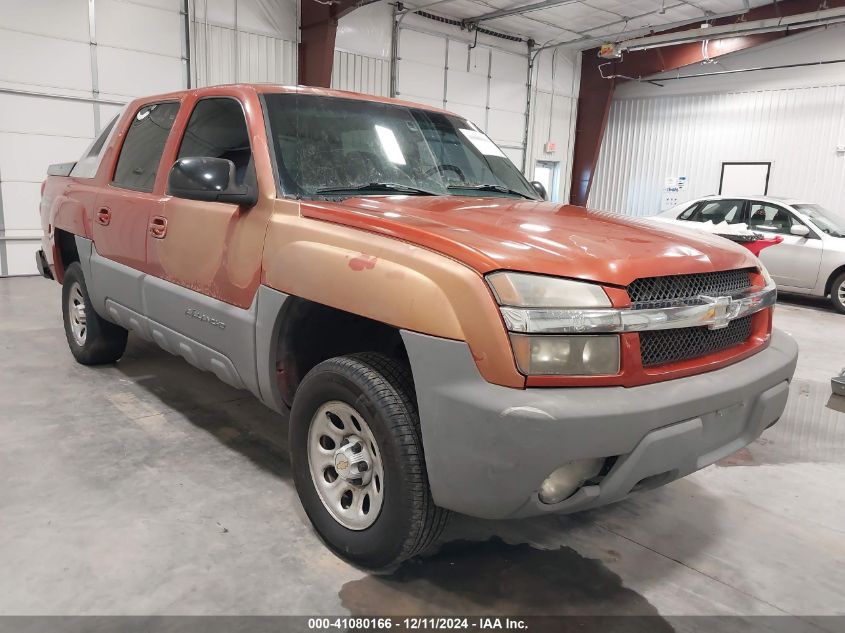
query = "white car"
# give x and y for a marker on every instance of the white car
(811, 258)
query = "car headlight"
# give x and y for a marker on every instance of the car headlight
(538, 291)
(524, 298)
(577, 355)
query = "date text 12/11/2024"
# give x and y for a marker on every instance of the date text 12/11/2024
(417, 623)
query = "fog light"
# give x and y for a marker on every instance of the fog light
(568, 478)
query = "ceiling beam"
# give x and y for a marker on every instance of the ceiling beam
(503, 13)
(802, 20)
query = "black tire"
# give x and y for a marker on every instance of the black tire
(837, 293)
(381, 389)
(103, 341)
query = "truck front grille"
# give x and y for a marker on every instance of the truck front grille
(671, 346)
(674, 290)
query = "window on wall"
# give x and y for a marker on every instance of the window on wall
(217, 129)
(140, 155)
(744, 179)
(548, 174)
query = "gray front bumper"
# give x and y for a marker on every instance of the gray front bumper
(488, 448)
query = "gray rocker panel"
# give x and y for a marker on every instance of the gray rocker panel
(210, 334)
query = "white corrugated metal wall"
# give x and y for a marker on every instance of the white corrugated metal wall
(652, 138)
(485, 81)
(362, 50)
(361, 73)
(61, 79)
(243, 41)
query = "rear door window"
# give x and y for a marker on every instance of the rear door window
(140, 155)
(718, 211)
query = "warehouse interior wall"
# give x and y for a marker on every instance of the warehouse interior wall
(554, 100)
(246, 41)
(363, 49)
(791, 117)
(73, 73)
(61, 81)
(483, 78)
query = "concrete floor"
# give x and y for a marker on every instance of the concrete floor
(149, 487)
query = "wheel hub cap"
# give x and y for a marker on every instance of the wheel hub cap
(352, 462)
(345, 465)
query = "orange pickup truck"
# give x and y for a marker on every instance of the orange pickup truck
(441, 338)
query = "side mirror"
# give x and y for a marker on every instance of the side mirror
(799, 229)
(209, 179)
(539, 188)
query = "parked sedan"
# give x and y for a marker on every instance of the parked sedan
(811, 258)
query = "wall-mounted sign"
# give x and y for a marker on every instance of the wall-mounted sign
(672, 189)
(610, 50)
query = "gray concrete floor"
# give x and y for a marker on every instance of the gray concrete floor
(149, 487)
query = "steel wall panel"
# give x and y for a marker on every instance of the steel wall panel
(45, 62)
(68, 18)
(650, 139)
(360, 73)
(138, 27)
(259, 58)
(150, 74)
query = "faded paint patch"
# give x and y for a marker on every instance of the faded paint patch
(362, 262)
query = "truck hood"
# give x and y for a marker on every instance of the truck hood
(540, 237)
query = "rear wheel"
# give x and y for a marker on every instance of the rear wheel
(92, 339)
(358, 463)
(837, 293)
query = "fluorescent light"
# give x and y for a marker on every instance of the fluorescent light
(390, 145)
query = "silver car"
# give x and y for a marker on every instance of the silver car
(811, 258)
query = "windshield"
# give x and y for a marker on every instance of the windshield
(326, 146)
(827, 221)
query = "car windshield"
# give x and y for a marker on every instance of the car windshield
(329, 146)
(827, 221)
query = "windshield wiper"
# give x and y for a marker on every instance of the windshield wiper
(490, 187)
(379, 186)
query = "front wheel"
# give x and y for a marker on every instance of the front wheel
(92, 339)
(358, 462)
(837, 293)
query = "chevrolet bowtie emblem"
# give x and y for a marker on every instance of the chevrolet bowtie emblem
(722, 310)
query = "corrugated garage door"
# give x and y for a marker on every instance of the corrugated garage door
(61, 80)
(485, 84)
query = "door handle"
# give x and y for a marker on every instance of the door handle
(104, 216)
(158, 227)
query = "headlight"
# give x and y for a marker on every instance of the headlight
(527, 301)
(579, 355)
(766, 276)
(538, 291)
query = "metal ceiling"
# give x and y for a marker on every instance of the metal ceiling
(584, 23)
